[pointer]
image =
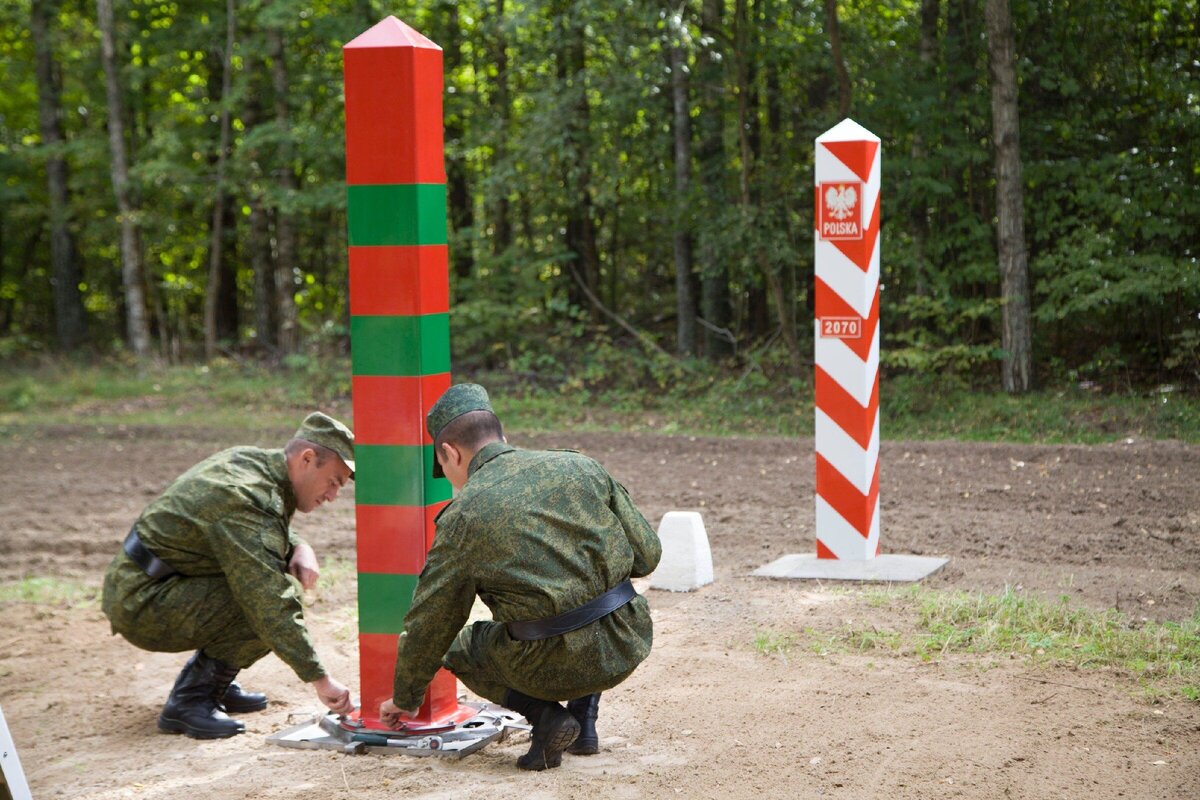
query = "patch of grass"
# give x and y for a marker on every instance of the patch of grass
(49, 591)
(701, 401)
(1162, 656)
(222, 394)
(924, 408)
(770, 643)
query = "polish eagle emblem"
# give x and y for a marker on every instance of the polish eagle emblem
(840, 201)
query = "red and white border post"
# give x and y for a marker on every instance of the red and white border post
(846, 301)
(846, 381)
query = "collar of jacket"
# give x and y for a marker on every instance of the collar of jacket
(279, 472)
(485, 455)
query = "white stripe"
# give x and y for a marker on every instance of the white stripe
(856, 287)
(842, 364)
(843, 453)
(842, 538)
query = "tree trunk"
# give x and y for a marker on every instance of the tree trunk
(69, 316)
(213, 294)
(571, 63)
(685, 302)
(258, 242)
(714, 283)
(839, 63)
(501, 103)
(462, 209)
(285, 232)
(137, 331)
(926, 52)
(1016, 336)
(264, 278)
(750, 142)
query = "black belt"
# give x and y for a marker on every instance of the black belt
(151, 564)
(574, 619)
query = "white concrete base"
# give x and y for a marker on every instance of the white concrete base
(890, 567)
(686, 562)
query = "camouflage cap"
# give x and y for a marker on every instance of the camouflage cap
(326, 431)
(456, 401)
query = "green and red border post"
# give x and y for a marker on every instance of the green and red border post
(399, 339)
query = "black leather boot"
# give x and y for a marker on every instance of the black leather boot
(192, 707)
(585, 710)
(554, 728)
(230, 694)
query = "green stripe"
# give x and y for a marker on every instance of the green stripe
(383, 600)
(400, 345)
(397, 475)
(397, 214)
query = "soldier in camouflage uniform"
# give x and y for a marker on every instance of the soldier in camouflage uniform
(536, 535)
(213, 566)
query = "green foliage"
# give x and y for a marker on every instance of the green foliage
(577, 127)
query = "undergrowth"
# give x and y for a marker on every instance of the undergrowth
(621, 391)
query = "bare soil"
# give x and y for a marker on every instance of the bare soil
(708, 714)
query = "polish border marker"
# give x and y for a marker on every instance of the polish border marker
(846, 381)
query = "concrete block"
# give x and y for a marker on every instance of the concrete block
(885, 568)
(686, 557)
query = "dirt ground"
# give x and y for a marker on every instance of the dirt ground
(708, 714)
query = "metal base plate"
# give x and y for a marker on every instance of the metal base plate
(325, 732)
(890, 567)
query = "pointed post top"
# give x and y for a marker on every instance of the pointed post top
(847, 131)
(390, 32)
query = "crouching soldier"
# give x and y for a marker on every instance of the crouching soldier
(212, 566)
(548, 540)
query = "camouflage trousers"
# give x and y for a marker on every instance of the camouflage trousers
(179, 613)
(478, 658)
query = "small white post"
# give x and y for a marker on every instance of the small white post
(686, 562)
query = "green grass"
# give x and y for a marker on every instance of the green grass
(221, 395)
(49, 591)
(774, 643)
(703, 401)
(1164, 657)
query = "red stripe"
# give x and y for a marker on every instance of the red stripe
(376, 670)
(844, 498)
(391, 539)
(840, 406)
(392, 409)
(393, 115)
(823, 551)
(857, 154)
(399, 280)
(828, 303)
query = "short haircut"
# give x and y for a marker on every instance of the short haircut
(471, 430)
(300, 445)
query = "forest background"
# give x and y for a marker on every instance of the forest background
(628, 188)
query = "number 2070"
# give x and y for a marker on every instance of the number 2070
(841, 327)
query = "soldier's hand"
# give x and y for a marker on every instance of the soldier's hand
(303, 566)
(392, 715)
(334, 695)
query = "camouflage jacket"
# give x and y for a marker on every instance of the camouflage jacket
(533, 534)
(229, 515)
